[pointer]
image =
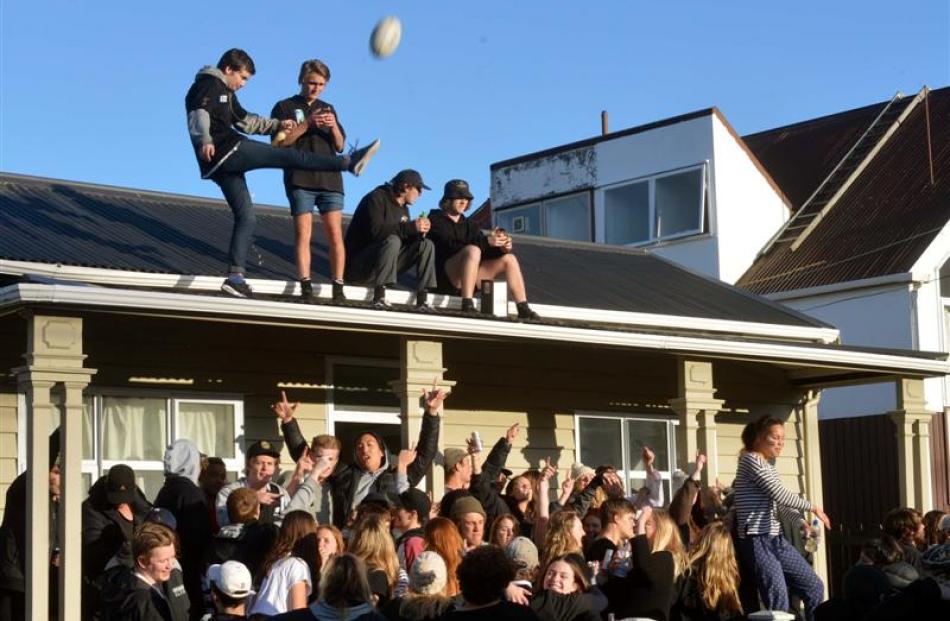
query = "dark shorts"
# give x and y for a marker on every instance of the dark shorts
(302, 201)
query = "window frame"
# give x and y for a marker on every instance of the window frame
(600, 199)
(628, 473)
(97, 466)
(367, 414)
(542, 204)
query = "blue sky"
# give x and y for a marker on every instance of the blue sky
(93, 91)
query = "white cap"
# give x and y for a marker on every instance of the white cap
(231, 578)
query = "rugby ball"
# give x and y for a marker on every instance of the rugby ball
(385, 38)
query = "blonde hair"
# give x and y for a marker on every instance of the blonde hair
(373, 544)
(714, 564)
(668, 538)
(558, 540)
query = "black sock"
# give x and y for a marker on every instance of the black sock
(379, 293)
(421, 297)
(468, 304)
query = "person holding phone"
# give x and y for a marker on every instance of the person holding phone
(307, 189)
(465, 256)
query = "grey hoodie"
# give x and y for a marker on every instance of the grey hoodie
(182, 458)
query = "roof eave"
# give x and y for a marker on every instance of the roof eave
(875, 366)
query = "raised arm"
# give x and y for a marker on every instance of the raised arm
(498, 456)
(428, 444)
(285, 411)
(548, 470)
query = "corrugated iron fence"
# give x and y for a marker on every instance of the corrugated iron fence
(859, 476)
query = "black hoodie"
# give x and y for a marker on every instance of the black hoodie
(346, 478)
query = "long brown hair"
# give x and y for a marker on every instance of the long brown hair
(296, 527)
(713, 562)
(496, 526)
(443, 538)
(372, 543)
(344, 583)
(558, 540)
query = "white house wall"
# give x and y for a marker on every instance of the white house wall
(743, 212)
(873, 317)
(748, 211)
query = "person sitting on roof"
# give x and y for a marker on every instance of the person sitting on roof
(382, 241)
(464, 256)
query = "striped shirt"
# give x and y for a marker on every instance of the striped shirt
(760, 495)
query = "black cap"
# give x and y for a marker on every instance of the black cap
(377, 498)
(120, 485)
(457, 188)
(263, 448)
(409, 177)
(506, 472)
(415, 500)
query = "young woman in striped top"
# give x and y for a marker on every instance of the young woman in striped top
(759, 496)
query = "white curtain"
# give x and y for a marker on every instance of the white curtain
(209, 425)
(133, 428)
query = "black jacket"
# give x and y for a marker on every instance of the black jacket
(482, 486)
(377, 217)
(578, 606)
(186, 501)
(213, 112)
(316, 140)
(140, 602)
(344, 479)
(105, 533)
(449, 237)
(647, 590)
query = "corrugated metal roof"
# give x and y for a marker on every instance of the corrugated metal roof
(882, 223)
(52, 221)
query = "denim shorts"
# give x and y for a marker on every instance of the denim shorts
(302, 201)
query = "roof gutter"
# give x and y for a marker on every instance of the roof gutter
(194, 283)
(804, 355)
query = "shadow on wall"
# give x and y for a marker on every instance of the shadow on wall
(540, 438)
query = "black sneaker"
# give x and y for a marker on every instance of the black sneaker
(306, 290)
(525, 312)
(338, 295)
(379, 297)
(239, 289)
(422, 302)
(360, 157)
(468, 306)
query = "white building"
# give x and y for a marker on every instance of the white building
(839, 217)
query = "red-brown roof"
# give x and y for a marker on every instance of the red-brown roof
(883, 222)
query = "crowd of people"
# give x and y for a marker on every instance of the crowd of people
(334, 539)
(448, 252)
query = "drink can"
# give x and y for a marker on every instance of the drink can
(477, 441)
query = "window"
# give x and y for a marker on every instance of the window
(362, 400)
(564, 217)
(619, 441)
(662, 207)
(134, 428)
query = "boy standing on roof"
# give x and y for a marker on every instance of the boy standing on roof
(464, 256)
(305, 188)
(224, 154)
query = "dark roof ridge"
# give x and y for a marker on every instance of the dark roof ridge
(804, 122)
(752, 297)
(10, 177)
